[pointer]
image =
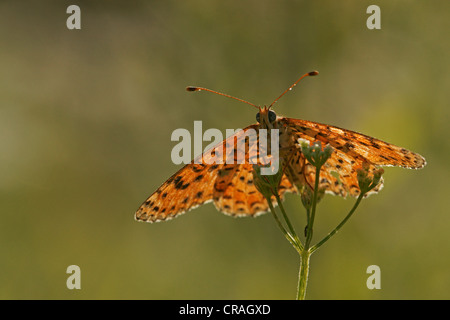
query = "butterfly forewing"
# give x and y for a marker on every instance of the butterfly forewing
(354, 144)
(206, 179)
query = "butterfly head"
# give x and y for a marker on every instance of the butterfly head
(266, 118)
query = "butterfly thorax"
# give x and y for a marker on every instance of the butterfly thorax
(289, 150)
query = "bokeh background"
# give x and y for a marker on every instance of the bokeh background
(86, 118)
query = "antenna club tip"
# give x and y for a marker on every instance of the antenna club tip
(190, 88)
(313, 73)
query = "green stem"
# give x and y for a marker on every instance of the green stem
(309, 229)
(308, 215)
(289, 224)
(292, 239)
(339, 226)
(303, 275)
(306, 253)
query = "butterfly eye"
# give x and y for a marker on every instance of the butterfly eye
(257, 117)
(272, 116)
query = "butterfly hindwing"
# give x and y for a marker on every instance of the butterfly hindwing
(235, 192)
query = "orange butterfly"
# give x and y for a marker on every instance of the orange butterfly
(231, 187)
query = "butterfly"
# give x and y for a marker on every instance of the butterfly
(231, 187)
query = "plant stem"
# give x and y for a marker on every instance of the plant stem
(293, 239)
(303, 274)
(339, 226)
(288, 222)
(306, 253)
(309, 230)
(269, 188)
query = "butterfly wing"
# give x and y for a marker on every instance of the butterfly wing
(235, 193)
(338, 175)
(356, 145)
(350, 151)
(209, 178)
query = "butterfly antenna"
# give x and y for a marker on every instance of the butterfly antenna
(312, 73)
(219, 93)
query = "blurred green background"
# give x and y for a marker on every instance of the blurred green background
(86, 118)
